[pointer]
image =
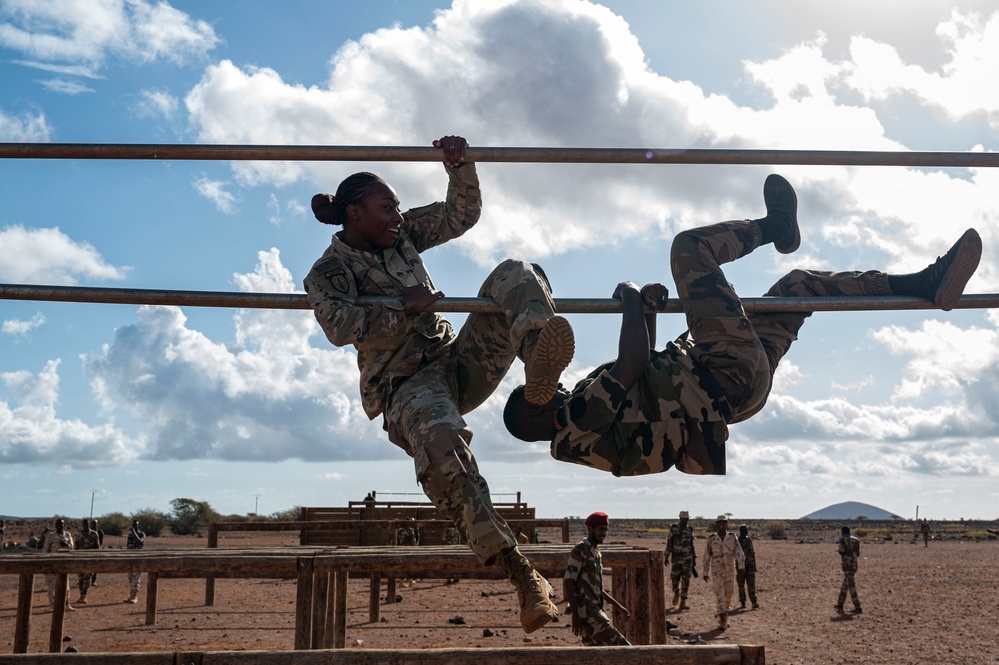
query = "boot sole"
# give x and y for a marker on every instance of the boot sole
(969, 254)
(553, 353)
(541, 621)
(772, 193)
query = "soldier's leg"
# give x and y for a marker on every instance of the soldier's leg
(729, 588)
(675, 576)
(843, 588)
(718, 586)
(740, 578)
(526, 328)
(853, 590)
(84, 585)
(751, 587)
(602, 633)
(423, 419)
(685, 579)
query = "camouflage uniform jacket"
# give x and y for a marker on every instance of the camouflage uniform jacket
(849, 552)
(136, 540)
(672, 416)
(746, 543)
(390, 345)
(88, 540)
(55, 541)
(680, 545)
(585, 569)
(406, 536)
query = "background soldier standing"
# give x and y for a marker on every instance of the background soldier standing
(722, 555)
(849, 553)
(87, 540)
(747, 576)
(924, 529)
(583, 587)
(680, 548)
(136, 541)
(57, 541)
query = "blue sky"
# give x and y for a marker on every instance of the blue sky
(135, 406)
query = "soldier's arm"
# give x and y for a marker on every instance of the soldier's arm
(633, 344)
(332, 291)
(435, 224)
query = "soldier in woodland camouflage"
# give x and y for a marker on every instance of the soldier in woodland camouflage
(88, 539)
(583, 588)
(680, 550)
(648, 411)
(415, 371)
(746, 578)
(849, 553)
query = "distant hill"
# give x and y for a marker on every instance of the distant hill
(851, 510)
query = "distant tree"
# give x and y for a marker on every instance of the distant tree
(862, 518)
(113, 524)
(151, 522)
(190, 516)
(287, 515)
(776, 530)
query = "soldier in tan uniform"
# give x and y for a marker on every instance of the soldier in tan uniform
(648, 411)
(59, 540)
(722, 556)
(415, 371)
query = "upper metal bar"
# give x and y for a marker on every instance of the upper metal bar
(86, 294)
(314, 153)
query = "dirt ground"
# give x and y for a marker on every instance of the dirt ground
(921, 605)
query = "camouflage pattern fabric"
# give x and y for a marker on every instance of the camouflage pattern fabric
(451, 536)
(86, 540)
(414, 370)
(746, 578)
(135, 541)
(56, 542)
(391, 345)
(722, 557)
(849, 552)
(719, 373)
(680, 552)
(585, 569)
(405, 536)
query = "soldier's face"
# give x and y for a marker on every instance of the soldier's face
(598, 533)
(374, 222)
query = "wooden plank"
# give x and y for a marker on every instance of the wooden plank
(22, 625)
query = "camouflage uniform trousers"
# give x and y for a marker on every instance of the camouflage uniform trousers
(743, 351)
(598, 631)
(746, 579)
(722, 583)
(849, 584)
(679, 574)
(134, 579)
(424, 413)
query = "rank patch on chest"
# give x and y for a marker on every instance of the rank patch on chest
(338, 280)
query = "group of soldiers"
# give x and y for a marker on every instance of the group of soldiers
(731, 562)
(89, 538)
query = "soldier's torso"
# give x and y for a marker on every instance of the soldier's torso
(586, 564)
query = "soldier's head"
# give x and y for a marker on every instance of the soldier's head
(534, 422)
(135, 525)
(368, 209)
(743, 530)
(596, 527)
(60, 524)
(684, 517)
(721, 523)
(845, 530)
(86, 525)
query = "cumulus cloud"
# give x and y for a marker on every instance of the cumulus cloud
(49, 256)
(87, 34)
(155, 104)
(24, 128)
(214, 191)
(31, 432)
(20, 328)
(266, 396)
(516, 90)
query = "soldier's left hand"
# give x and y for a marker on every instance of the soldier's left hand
(654, 297)
(453, 149)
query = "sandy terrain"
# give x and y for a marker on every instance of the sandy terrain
(921, 605)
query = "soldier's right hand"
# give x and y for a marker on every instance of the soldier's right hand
(419, 298)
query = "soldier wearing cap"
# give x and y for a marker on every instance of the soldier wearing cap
(59, 540)
(584, 589)
(680, 548)
(747, 576)
(723, 555)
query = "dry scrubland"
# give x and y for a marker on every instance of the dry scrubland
(921, 605)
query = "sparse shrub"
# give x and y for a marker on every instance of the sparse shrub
(113, 524)
(776, 530)
(860, 533)
(151, 522)
(287, 515)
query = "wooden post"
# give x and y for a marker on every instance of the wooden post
(213, 542)
(22, 626)
(58, 613)
(374, 598)
(340, 611)
(390, 592)
(752, 655)
(640, 613)
(657, 596)
(320, 607)
(303, 605)
(153, 582)
(329, 611)
(565, 530)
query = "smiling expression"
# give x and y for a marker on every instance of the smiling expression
(374, 222)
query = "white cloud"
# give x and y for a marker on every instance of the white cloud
(31, 432)
(155, 103)
(86, 34)
(20, 328)
(214, 191)
(24, 128)
(48, 256)
(267, 396)
(64, 87)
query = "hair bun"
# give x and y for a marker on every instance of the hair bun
(322, 208)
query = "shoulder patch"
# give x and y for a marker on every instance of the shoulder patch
(338, 279)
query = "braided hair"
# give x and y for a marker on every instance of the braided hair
(330, 209)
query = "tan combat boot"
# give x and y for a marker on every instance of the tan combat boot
(132, 598)
(683, 604)
(533, 591)
(553, 352)
(722, 620)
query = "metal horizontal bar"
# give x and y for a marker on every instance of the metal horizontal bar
(87, 294)
(322, 153)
